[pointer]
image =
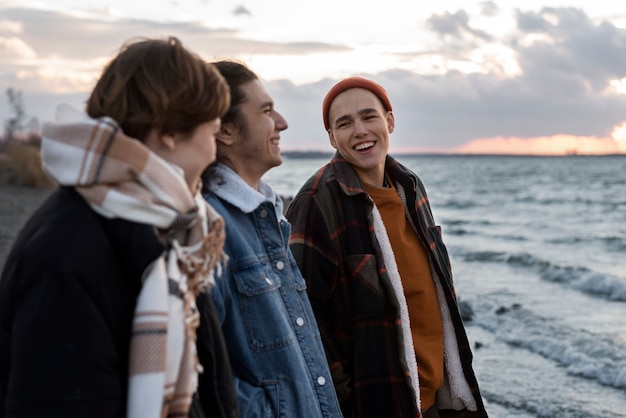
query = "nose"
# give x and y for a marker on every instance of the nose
(279, 122)
(359, 128)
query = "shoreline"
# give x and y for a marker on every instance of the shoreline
(17, 205)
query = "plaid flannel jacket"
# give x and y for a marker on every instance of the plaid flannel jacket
(334, 243)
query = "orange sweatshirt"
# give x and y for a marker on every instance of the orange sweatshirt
(419, 290)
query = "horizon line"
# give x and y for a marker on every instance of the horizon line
(316, 154)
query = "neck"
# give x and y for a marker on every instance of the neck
(250, 179)
(375, 178)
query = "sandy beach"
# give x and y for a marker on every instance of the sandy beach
(17, 203)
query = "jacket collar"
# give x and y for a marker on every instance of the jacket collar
(351, 184)
(234, 190)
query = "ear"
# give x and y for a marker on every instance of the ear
(226, 134)
(168, 141)
(391, 121)
(333, 143)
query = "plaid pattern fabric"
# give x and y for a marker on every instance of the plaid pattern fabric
(338, 251)
(120, 177)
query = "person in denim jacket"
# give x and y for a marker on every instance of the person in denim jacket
(378, 273)
(277, 357)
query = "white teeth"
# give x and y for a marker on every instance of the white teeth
(275, 141)
(364, 145)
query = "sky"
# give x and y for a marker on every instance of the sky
(507, 77)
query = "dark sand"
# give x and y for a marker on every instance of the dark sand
(17, 204)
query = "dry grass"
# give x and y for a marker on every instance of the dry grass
(21, 164)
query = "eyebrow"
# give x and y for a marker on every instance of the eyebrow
(268, 103)
(361, 112)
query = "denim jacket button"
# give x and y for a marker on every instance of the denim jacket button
(280, 265)
(321, 381)
(263, 213)
(268, 280)
(300, 322)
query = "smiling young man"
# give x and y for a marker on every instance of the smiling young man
(377, 271)
(276, 354)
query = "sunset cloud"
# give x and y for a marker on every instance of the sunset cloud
(553, 145)
(468, 79)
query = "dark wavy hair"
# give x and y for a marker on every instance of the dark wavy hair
(236, 74)
(158, 83)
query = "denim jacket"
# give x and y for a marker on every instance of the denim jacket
(275, 348)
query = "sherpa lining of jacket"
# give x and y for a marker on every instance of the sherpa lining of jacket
(455, 393)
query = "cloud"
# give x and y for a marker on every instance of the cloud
(593, 52)
(52, 33)
(489, 8)
(455, 25)
(549, 75)
(63, 54)
(553, 145)
(561, 90)
(241, 10)
(13, 47)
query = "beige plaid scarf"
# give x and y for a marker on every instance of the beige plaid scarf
(120, 177)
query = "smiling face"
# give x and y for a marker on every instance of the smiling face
(359, 130)
(253, 147)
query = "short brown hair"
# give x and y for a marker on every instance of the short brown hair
(155, 83)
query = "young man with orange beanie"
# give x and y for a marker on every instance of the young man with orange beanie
(378, 273)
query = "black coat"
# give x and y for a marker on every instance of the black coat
(67, 297)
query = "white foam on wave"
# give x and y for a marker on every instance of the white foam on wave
(584, 354)
(599, 284)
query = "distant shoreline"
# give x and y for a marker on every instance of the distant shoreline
(328, 155)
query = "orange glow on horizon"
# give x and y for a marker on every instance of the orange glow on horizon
(549, 145)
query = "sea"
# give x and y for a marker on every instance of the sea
(538, 251)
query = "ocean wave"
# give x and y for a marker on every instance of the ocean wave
(459, 204)
(583, 354)
(457, 231)
(611, 243)
(581, 278)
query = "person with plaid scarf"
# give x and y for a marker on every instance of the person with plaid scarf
(377, 271)
(104, 309)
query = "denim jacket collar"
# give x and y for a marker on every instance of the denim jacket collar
(239, 193)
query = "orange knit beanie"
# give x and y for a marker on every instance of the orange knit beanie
(350, 83)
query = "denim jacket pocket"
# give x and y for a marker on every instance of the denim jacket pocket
(265, 317)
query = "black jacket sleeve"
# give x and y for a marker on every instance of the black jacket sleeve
(215, 389)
